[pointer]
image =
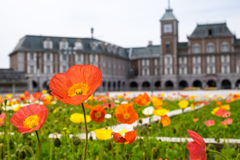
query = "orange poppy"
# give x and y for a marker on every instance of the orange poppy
(76, 84)
(127, 137)
(37, 95)
(87, 106)
(98, 114)
(125, 113)
(142, 100)
(165, 120)
(29, 118)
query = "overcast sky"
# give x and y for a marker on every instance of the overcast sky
(127, 23)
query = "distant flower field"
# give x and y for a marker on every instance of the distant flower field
(48, 126)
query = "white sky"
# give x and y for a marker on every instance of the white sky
(127, 23)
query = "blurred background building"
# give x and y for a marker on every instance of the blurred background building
(210, 58)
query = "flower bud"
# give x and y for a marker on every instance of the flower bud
(109, 146)
(90, 138)
(2, 151)
(76, 141)
(140, 121)
(57, 142)
(22, 154)
(154, 152)
(144, 156)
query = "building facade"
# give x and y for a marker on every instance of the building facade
(210, 58)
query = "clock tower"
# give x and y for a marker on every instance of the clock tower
(169, 41)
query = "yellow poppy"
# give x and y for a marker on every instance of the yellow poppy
(226, 107)
(44, 91)
(103, 134)
(160, 112)
(78, 118)
(215, 110)
(157, 103)
(192, 106)
(183, 104)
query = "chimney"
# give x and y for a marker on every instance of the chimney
(149, 43)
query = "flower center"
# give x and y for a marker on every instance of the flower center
(1, 120)
(126, 116)
(31, 122)
(98, 114)
(78, 89)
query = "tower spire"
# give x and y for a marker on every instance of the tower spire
(168, 4)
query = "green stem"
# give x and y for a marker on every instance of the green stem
(238, 156)
(211, 151)
(39, 146)
(51, 148)
(86, 130)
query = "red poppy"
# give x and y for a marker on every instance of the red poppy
(29, 118)
(37, 95)
(127, 137)
(220, 112)
(142, 100)
(125, 113)
(209, 123)
(197, 147)
(77, 84)
(98, 114)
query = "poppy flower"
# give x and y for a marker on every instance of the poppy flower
(37, 95)
(125, 113)
(98, 114)
(183, 104)
(165, 120)
(79, 118)
(226, 107)
(227, 114)
(76, 84)
(227, 121)
(2, 119)
(220, 112)
(197, 147)
(148, 111)
(29, 118)
(87, 106)
(160, 112)
(195, 119)
(157, 103)
(209, 123)
(125, 136)
(142, 100)
(103, 134)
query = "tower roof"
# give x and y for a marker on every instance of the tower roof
(168, 16)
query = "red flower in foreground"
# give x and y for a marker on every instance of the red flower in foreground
(227, 121)
(209, 123)
(76, 84)
(197, 147)
(98, 114)
(127, 137)
(220, 112)
(2, 119)
(29, 118)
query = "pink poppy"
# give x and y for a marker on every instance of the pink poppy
(2, 119)
(106, 105)
(227, 121)
(197, 147)
(220, 112)
(227, 114)
(209, 123)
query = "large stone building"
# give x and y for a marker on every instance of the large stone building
(210, 58)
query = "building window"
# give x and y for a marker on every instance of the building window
(196, 70)
(210, 32)
(238, 58)
(168, 47)
(48, 56)
(79, 57)
(225, 58)
(78, 46)
(31, 56)
(48, 69)
(157, 61)
(47, 44)
(225, 47)
(210, 47)
(157, 72)
(145, 62)
(32, 69)
(64, 68)
(210, 59)
(64, 57)
(196, 48)
(63, 45)
(196, 60)
(182, 60)
(211, 70)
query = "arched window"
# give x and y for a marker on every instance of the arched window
(210, 47)
(196, 48)
(225, 47)
(47, 44)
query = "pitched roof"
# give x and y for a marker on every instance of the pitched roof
(145, 52)
(211, 30)
(168, 16)
(33, 43)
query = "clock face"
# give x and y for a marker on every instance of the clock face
(167, 28)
